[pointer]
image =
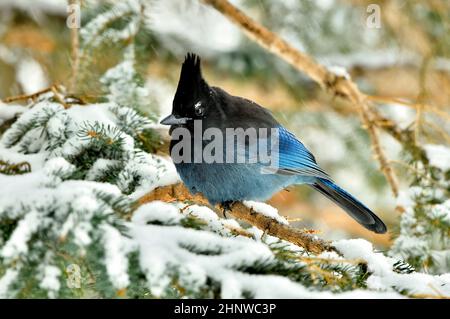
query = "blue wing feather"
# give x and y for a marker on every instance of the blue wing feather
(295, 158)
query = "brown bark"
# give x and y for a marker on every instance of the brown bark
(302, 238)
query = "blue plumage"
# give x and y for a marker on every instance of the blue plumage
(228, 182)
(295, 158)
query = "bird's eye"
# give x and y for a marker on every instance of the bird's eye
(198, 109)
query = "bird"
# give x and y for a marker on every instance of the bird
(225, 183)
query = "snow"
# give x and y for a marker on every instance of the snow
(441, 212)
(100, 165)
(339, 71)
(191, 24)
(157, 252)
(35, 160)
(325, 4)
(45, 201)
(31, 76)
(195, 256)
(375, 58)
(122, 88)
(156, 211)
(266, 210)
(7, 55)
(116, 262)
(6, 280)
(32, 117)
(213, 222)
(18, 242)
(385, 279)
(92, 113)
(8, 111)
(405, 198)
(161, 91)
(50, 280)
(168, 247)
(39, 6)
(402, 115)
(44, 188)
(439, 156)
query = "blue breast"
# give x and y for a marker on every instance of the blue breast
(233, 182)
(221, 182)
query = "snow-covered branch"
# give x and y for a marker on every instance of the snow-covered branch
(259, 218)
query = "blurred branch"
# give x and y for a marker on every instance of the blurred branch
(28, 96)
(421, 96)
(338, 85)
(302, 238)
(75, 44)
(406, 29)
(427, 107)
(58, 95)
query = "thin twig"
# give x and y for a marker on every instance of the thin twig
(58, 97)
(27, 96)
(421, 97)
(58, 94)
(338, 85)
(75, 49)
(442, 132)
(392, 100)
(179, 192)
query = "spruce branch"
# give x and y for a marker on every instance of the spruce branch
(338, 85)
(178, 192)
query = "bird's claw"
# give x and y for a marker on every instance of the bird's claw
(226, 206)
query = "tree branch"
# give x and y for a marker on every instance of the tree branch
(75, 56)
(32, 96)
(338, 85)
(178, 192)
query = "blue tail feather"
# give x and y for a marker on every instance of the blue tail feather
(351, 205)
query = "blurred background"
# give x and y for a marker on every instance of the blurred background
(392, 49)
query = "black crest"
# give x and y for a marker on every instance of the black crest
(191, 70)
(191, 83)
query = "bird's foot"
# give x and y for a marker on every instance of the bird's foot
(226, 206)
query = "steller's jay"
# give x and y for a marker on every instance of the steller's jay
(226, 182)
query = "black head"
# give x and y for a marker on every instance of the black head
(192, 96)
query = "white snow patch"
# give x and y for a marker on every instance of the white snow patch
(196, 25)
(438, 155)
(50, 280)
(8, 278)
(116, 249)
(384, 278)
(92, 113)
(17, 244)
(156, 211)
(38, 8)
(266, 210)
(8, 111)
(31, 76)
(339, 71)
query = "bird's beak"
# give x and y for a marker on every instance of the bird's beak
(173, 120)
